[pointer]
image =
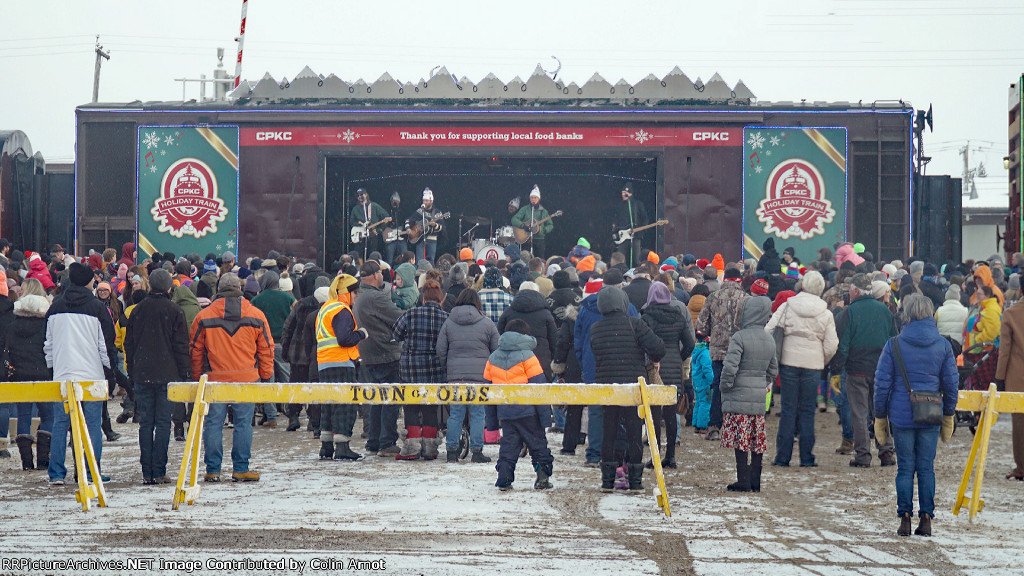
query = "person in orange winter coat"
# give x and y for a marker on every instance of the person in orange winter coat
(227, 336)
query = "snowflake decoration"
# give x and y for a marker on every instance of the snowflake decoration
(219, 247)
(768, 153)
(641, 136)
(163, 152)
(169, 140)
(756, 141)
(230, 243)
(775, 141)
(153, 168)
(348, 136)
(758, 169)
(151, 140)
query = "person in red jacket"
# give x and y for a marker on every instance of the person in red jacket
(226, 337)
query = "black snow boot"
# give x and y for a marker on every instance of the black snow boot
(755, 472)
(326, 450)
(43, 450)
(608, 476)
(293, 422)
(742, 483)
(542, 482)
(343, 452)
(24, 442)
(669, 461)
(636, 477)
(179, 432)
(108, 430)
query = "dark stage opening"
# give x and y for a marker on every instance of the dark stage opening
(585, 188)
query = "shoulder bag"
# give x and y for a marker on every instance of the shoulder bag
(779, 334)
(926, 406)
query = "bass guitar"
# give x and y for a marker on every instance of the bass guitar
(523, 234)
(627, 234)
(393, 234)
(361, 231)
(416, 232)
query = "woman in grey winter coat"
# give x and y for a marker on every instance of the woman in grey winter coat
(466, 340)
(748, 370)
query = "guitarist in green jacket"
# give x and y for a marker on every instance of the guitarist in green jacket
(529, 214)
(364, 214)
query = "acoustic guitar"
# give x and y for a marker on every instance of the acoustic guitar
(415, 231)
(523, 234)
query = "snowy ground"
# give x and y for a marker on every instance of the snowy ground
(439, 518)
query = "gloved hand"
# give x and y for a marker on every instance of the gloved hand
(363, 332)
(836, 384)
(881, 430)
(947, 428)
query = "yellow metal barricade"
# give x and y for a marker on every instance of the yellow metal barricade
(72, 394)
(990, 403)
(203, 393)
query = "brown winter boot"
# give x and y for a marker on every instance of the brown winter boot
(904, 529)
(924, 527)
(846, 447)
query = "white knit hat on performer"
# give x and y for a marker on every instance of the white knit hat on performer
(535, 192)
(428, 194)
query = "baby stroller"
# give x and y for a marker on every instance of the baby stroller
(977, 369)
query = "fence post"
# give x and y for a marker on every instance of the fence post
(191, 456)
(660, 493)
(84, 455)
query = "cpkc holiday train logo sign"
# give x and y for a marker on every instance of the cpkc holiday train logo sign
(188, 202)
(794, 185)
(187, 189)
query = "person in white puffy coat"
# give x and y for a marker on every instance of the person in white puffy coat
(951, 316)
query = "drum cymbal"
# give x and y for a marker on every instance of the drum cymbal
(476, 220)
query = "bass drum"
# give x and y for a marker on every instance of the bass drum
(505, 235)
(489, 252)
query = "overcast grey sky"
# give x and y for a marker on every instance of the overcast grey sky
(960, 56)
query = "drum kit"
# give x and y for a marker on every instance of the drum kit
(491, 247)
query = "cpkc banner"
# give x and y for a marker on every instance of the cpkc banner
(187, 190)
(794, 188)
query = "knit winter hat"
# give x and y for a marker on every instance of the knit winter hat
(658, 294)
(878, 289)
(343, 284)
(718, 262)
(953, 293)
(535, 193)
(209, 266)
(702, 263)
(79, 274)
(583, 242)
(160, 282)
(466, 254)
(858, 248)
(652, 256)
(492, 278)
(322, 294)
(529, 286)
(552, 269)
(229, 281)
(593, 286)
(612, 277)
(689, 260)
(671, 261)
(428, 194)
(760, 287)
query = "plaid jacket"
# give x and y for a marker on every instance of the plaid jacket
(494, 302)
(417, 330)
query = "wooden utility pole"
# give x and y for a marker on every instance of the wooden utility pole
(100, 56)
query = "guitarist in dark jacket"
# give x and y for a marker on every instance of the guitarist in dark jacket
(630, 213)
(426, 233)
(366, 213)
(525, 218)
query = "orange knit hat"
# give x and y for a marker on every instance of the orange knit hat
(718, 262)
(466, 254)
(586, 264)
(652, 256)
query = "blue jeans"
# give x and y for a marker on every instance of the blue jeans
(7, 409)
(426, 250)
(799, 398)
(154, 410)
(93, 412)
(476, 426)
(393, 249)
(560, 417)
(915, 454)
(44, 411)
(716, 394)
(595, 432)
(241, 438)
(843, 409)
(382, 427)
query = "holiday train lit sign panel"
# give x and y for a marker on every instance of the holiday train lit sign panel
(794, 187)
(187, 189)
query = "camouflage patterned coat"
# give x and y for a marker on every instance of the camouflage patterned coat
(720, 318)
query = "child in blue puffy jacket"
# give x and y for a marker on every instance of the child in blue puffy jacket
(701, 374)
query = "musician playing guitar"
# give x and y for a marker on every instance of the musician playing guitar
(364, 215)
(430, 221)
(630, 213)
(394, 244)
(525, 219)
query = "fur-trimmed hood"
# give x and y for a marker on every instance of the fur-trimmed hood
(32, 305)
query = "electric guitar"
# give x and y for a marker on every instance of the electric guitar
(393, 234)
(416, 232)
(361, 231)
(523, 234)
(627, 234)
